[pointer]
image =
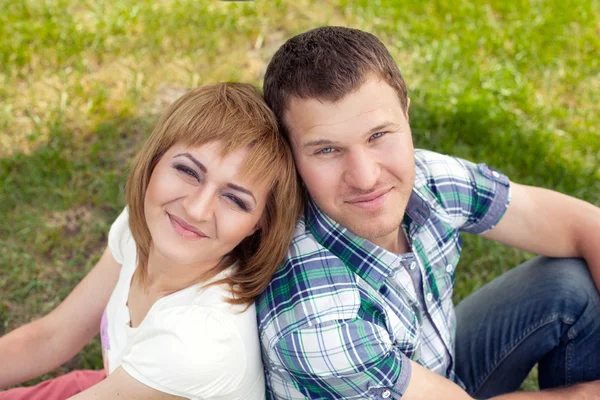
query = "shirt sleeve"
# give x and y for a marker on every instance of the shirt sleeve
(119, 236)
(187, 351)
(475, 196)
(344, 359)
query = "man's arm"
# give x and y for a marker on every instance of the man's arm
(552, 224)
(352, 359)
(426, 385)
(544, 222)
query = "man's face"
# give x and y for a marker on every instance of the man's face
(356, 158)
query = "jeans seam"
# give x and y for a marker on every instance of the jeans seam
(568, 364)
(512, 347)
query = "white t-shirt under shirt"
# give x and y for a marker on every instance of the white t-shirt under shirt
(191, 343)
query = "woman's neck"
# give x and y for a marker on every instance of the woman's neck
(165, 277)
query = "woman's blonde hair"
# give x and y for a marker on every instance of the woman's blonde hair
(236, 115)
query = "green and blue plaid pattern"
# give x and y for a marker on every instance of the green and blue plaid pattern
(342, 316)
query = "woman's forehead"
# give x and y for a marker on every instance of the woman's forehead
(251, 163)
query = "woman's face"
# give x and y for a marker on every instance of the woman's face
(197, 207)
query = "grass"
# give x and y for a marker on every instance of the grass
(514, 84)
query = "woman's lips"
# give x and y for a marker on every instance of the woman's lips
(184, 229)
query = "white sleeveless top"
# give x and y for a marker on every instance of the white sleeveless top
(190, 344)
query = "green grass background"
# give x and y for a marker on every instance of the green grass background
(515, 84)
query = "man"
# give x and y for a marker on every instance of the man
(362, 305)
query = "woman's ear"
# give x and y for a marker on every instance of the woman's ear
(256, 227)
(259, 225)
(407, 108)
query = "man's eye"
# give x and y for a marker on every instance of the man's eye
(377, 135)
(326, 150)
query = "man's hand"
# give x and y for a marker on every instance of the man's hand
(582, 391)
(590, 390)
(426, 385)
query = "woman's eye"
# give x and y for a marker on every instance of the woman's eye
(377, 135)
(187, 171)
(238, 202)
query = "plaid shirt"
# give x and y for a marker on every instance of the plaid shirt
(342, 317)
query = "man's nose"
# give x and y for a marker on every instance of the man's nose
(362, 169)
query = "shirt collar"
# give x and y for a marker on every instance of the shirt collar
(417, 210)
(371, 262)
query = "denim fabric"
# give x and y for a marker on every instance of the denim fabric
(546, 310)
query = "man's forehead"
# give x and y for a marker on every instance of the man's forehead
(374, 93)
(312, 120)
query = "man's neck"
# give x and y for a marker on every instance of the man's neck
(394, 242)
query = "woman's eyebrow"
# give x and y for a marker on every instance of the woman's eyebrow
(194, 160)
(203, 169)
(241, 189)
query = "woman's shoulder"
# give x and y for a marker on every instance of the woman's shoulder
(209, 305)
(120, 240)
(218, 296)
(198, 327)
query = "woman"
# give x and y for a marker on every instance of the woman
(212, 199)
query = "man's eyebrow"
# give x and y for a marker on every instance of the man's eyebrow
(319, 142)
(241, 189)
(327, 142)
(381, 126)
(194, 160)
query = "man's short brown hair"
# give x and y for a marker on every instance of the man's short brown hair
(327, 63)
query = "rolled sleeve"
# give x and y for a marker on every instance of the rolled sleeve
(473, 196)
(344, 359)
(490, 198)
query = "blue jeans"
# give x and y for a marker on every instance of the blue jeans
(546, 311)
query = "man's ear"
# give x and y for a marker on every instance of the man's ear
(407, 108)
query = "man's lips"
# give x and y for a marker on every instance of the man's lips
(371, 201)
(184, 229)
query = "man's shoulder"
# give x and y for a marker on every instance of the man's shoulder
(430, 163)
(311, 286)
(433, 169)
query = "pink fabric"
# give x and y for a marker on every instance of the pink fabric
(60, 388)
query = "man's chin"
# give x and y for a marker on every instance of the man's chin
(374, 231)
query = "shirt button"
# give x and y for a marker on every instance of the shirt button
(495, 174)
(386, 393)
(412, 265)
(449, 268)
(429, 296)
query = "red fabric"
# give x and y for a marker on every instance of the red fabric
(60, 388)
